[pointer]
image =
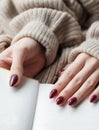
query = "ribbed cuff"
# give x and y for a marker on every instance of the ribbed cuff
(42, 34)
(90, 47)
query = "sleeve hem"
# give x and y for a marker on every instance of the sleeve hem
(90, 47)
(42, 34)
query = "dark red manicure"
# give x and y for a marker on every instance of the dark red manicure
(13, 80)
(53, 93)
(93, 98)
(72, 101)
(59, 100)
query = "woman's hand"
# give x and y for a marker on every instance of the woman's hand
(78, 81)
(25, 57)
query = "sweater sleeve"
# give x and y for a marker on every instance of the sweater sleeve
(92, 9)
(49, 27)
(90, 45)
(50, 22)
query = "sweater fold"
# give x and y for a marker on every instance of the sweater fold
(54, 24)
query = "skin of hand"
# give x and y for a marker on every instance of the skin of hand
(78, 81)
(25, 57)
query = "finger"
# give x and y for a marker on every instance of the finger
(5, 60)
(16, 70)
(67, 76)
(6, 52)
(95, 95)
(85, 89)
(4, 65)
(76, 82)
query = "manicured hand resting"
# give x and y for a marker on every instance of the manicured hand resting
(78, 81)
(25, 57)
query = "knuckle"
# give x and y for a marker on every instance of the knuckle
(60, 83)
(66, 92)
(78, 80)
(83, 55)
(69, 73)
(93, 62)
(90, 83)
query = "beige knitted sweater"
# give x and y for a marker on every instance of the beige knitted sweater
(58, 25)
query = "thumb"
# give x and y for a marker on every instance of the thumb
(16, 71)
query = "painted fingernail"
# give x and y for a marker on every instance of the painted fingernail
(53, 93)
(93, 98)
(13, 80)
(59, 100)
(72, 101)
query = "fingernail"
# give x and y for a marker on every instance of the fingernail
(72, 101)
(93, 98)
(53, 93)
(59, 100)
(13, 80)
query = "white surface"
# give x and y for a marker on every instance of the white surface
(17, 106)
(49, 116)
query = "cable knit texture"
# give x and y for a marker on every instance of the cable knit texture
(58, 25)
